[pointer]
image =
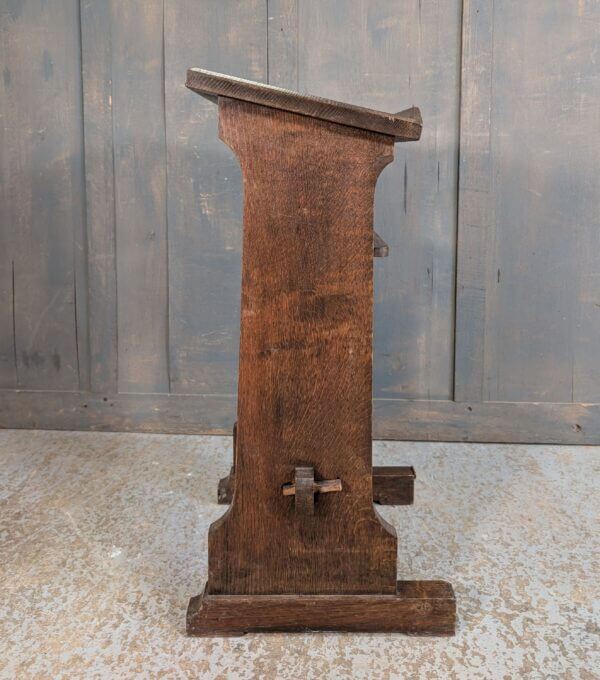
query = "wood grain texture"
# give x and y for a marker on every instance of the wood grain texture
(323, 486)
(389, 55)
(41, 213)
(543, 314)
(97, 67)
(61, 410)
(418, 607)
(140, 195)
(304, 396)
(205, 191)
(404, 126)
(503, 422)
(392, 485)
(416, 420)
(304, 498)
(476, 201)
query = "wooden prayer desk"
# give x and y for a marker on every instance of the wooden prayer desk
(301, 545)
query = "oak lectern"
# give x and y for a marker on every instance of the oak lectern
(301, 546)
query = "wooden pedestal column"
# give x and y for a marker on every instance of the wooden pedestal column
(302, 546)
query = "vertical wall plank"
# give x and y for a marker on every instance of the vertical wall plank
(42, 178)
(80, 236)
(528, 281)
(282, 36)
(528, 285)
(582, 172)
(100, 203)
(389, 55)
(205, 190)
(475, 203)
(8, 226)
(140, 194)
(8, 372)
(545, 141)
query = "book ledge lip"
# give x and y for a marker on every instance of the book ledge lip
(404, 126)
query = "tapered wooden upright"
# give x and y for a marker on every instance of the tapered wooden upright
(304, 396)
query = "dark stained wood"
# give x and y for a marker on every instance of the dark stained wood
(304, 492)
(305, 350)
(404, 126)
(304, 392)
(227, 484)
(380, 247)
(417, 607)
(394, 485)
(225, 488)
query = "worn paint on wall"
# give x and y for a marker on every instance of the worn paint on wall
(543, 313)
(205, 191)
(121, 209)
(390, 56)
(528, 296)
(43, 274)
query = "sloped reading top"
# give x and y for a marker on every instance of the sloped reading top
(404, 126)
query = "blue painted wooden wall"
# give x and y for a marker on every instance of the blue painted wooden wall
(120, 209)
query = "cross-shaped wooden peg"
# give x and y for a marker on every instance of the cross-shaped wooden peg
(304, 488)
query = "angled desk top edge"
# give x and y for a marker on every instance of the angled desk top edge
(404, 126)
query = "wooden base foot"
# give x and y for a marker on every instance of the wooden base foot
(392, 485)
(417, 608)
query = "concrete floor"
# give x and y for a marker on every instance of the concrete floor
(103, 540)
